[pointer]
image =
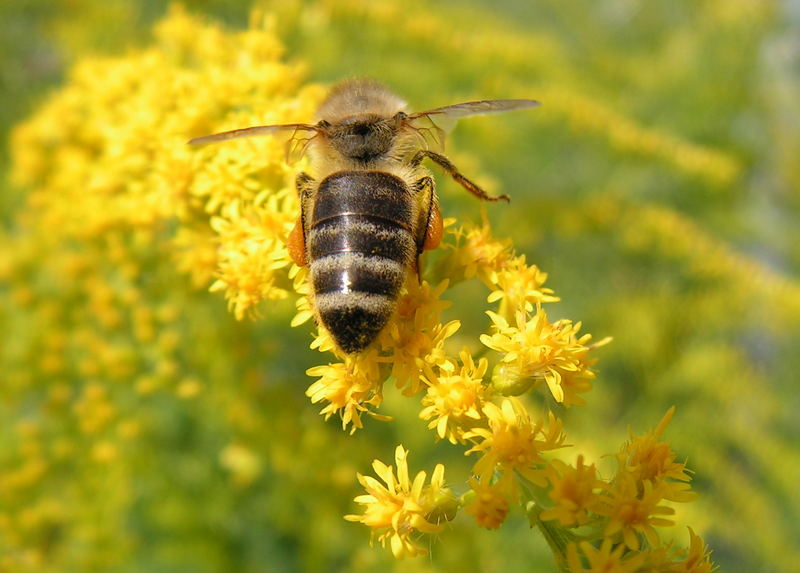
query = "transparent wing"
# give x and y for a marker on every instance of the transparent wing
(432, 124)
(254, 131)
(296, 146)
(477, 107)
(430, 133)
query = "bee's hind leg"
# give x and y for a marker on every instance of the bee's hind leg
(431, 228)
(296, 242)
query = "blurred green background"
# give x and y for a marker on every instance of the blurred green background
(658, 185)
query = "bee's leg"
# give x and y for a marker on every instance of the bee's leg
(434, 230)
(452, 170)
(296, 242)
(303, 183)
(431, 230)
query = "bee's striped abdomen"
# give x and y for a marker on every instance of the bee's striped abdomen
(360, 245)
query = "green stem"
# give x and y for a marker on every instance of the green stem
(557, 537)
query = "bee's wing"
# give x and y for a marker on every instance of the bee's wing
(459, 110)
(254, 131)
(433, 123)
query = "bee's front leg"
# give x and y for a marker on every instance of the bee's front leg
(453, 171)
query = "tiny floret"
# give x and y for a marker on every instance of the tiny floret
(400, 510)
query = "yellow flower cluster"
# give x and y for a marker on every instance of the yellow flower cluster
(490, 418)
(122, 220)
(139, 173)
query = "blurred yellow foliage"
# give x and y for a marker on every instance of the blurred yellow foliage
(144, 426)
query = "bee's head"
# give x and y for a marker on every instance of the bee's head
(364, 137)
(360, 119)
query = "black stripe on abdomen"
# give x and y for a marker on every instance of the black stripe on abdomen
(373, 193)
(353, 272)
(351, 233)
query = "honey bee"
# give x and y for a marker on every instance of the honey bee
(370, 209)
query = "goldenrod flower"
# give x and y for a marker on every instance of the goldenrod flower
(607, 559)
(490, 504)
(534, 348)
(421, 301)
(415, 336)
(519, 287)
(575, 492)
(399, 509)
(251, 250)
(646, 458)
(633, 509)
(664, 558)
(513, 443)
(696, 558)
(305, 309)
(350, 388)
(454, 400)
(478, 252)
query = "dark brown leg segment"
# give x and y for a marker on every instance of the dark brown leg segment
(448, 166)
